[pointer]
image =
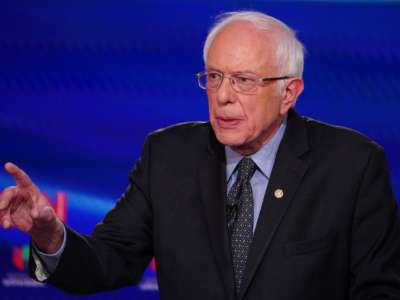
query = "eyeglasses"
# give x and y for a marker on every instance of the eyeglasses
(241, 83)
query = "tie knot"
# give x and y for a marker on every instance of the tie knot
(246, 169)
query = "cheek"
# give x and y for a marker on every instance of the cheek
(211, 104)
(254, 115)
(260, 117)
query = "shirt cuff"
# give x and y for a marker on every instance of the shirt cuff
(47, 263)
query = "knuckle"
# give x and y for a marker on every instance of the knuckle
(9, 189)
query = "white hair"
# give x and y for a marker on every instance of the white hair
(289, 51)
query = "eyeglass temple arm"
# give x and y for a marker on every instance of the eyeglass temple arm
(274, 78)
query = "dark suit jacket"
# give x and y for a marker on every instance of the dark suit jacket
(334, 234)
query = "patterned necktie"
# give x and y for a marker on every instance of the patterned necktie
(240, 216)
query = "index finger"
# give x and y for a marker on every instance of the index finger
(22, 179)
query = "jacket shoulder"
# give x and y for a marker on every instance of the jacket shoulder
(181, 139)
(334, 136)
(187, 131)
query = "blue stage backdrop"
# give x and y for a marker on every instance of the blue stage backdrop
(83, 82)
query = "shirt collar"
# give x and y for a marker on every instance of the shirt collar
(263, 158)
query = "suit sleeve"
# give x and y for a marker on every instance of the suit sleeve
(119, 249)
(375, 252)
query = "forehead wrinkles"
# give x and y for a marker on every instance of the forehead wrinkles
(242, 46)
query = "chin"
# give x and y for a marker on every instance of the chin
(228, 138)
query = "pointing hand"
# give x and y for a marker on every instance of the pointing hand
(26, 208)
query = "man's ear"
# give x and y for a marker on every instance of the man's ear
(291, 92)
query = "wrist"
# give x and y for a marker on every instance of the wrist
(50, 241)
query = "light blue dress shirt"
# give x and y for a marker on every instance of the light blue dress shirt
(264, 159)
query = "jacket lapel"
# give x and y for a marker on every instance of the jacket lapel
(212, 180)
(287, 173)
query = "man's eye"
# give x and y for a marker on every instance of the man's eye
(243, 79)
(213, 76)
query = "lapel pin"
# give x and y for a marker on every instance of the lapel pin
(278, 193)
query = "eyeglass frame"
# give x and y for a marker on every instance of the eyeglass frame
(257, 81)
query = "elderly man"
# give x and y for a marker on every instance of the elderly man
(259, 203)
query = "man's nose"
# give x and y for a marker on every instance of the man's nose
(225, 93)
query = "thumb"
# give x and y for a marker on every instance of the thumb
(43, 215)
(47, 214)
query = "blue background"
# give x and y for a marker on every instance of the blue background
(83, 82)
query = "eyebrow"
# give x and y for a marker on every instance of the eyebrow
(235, 72)
(213, 69)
